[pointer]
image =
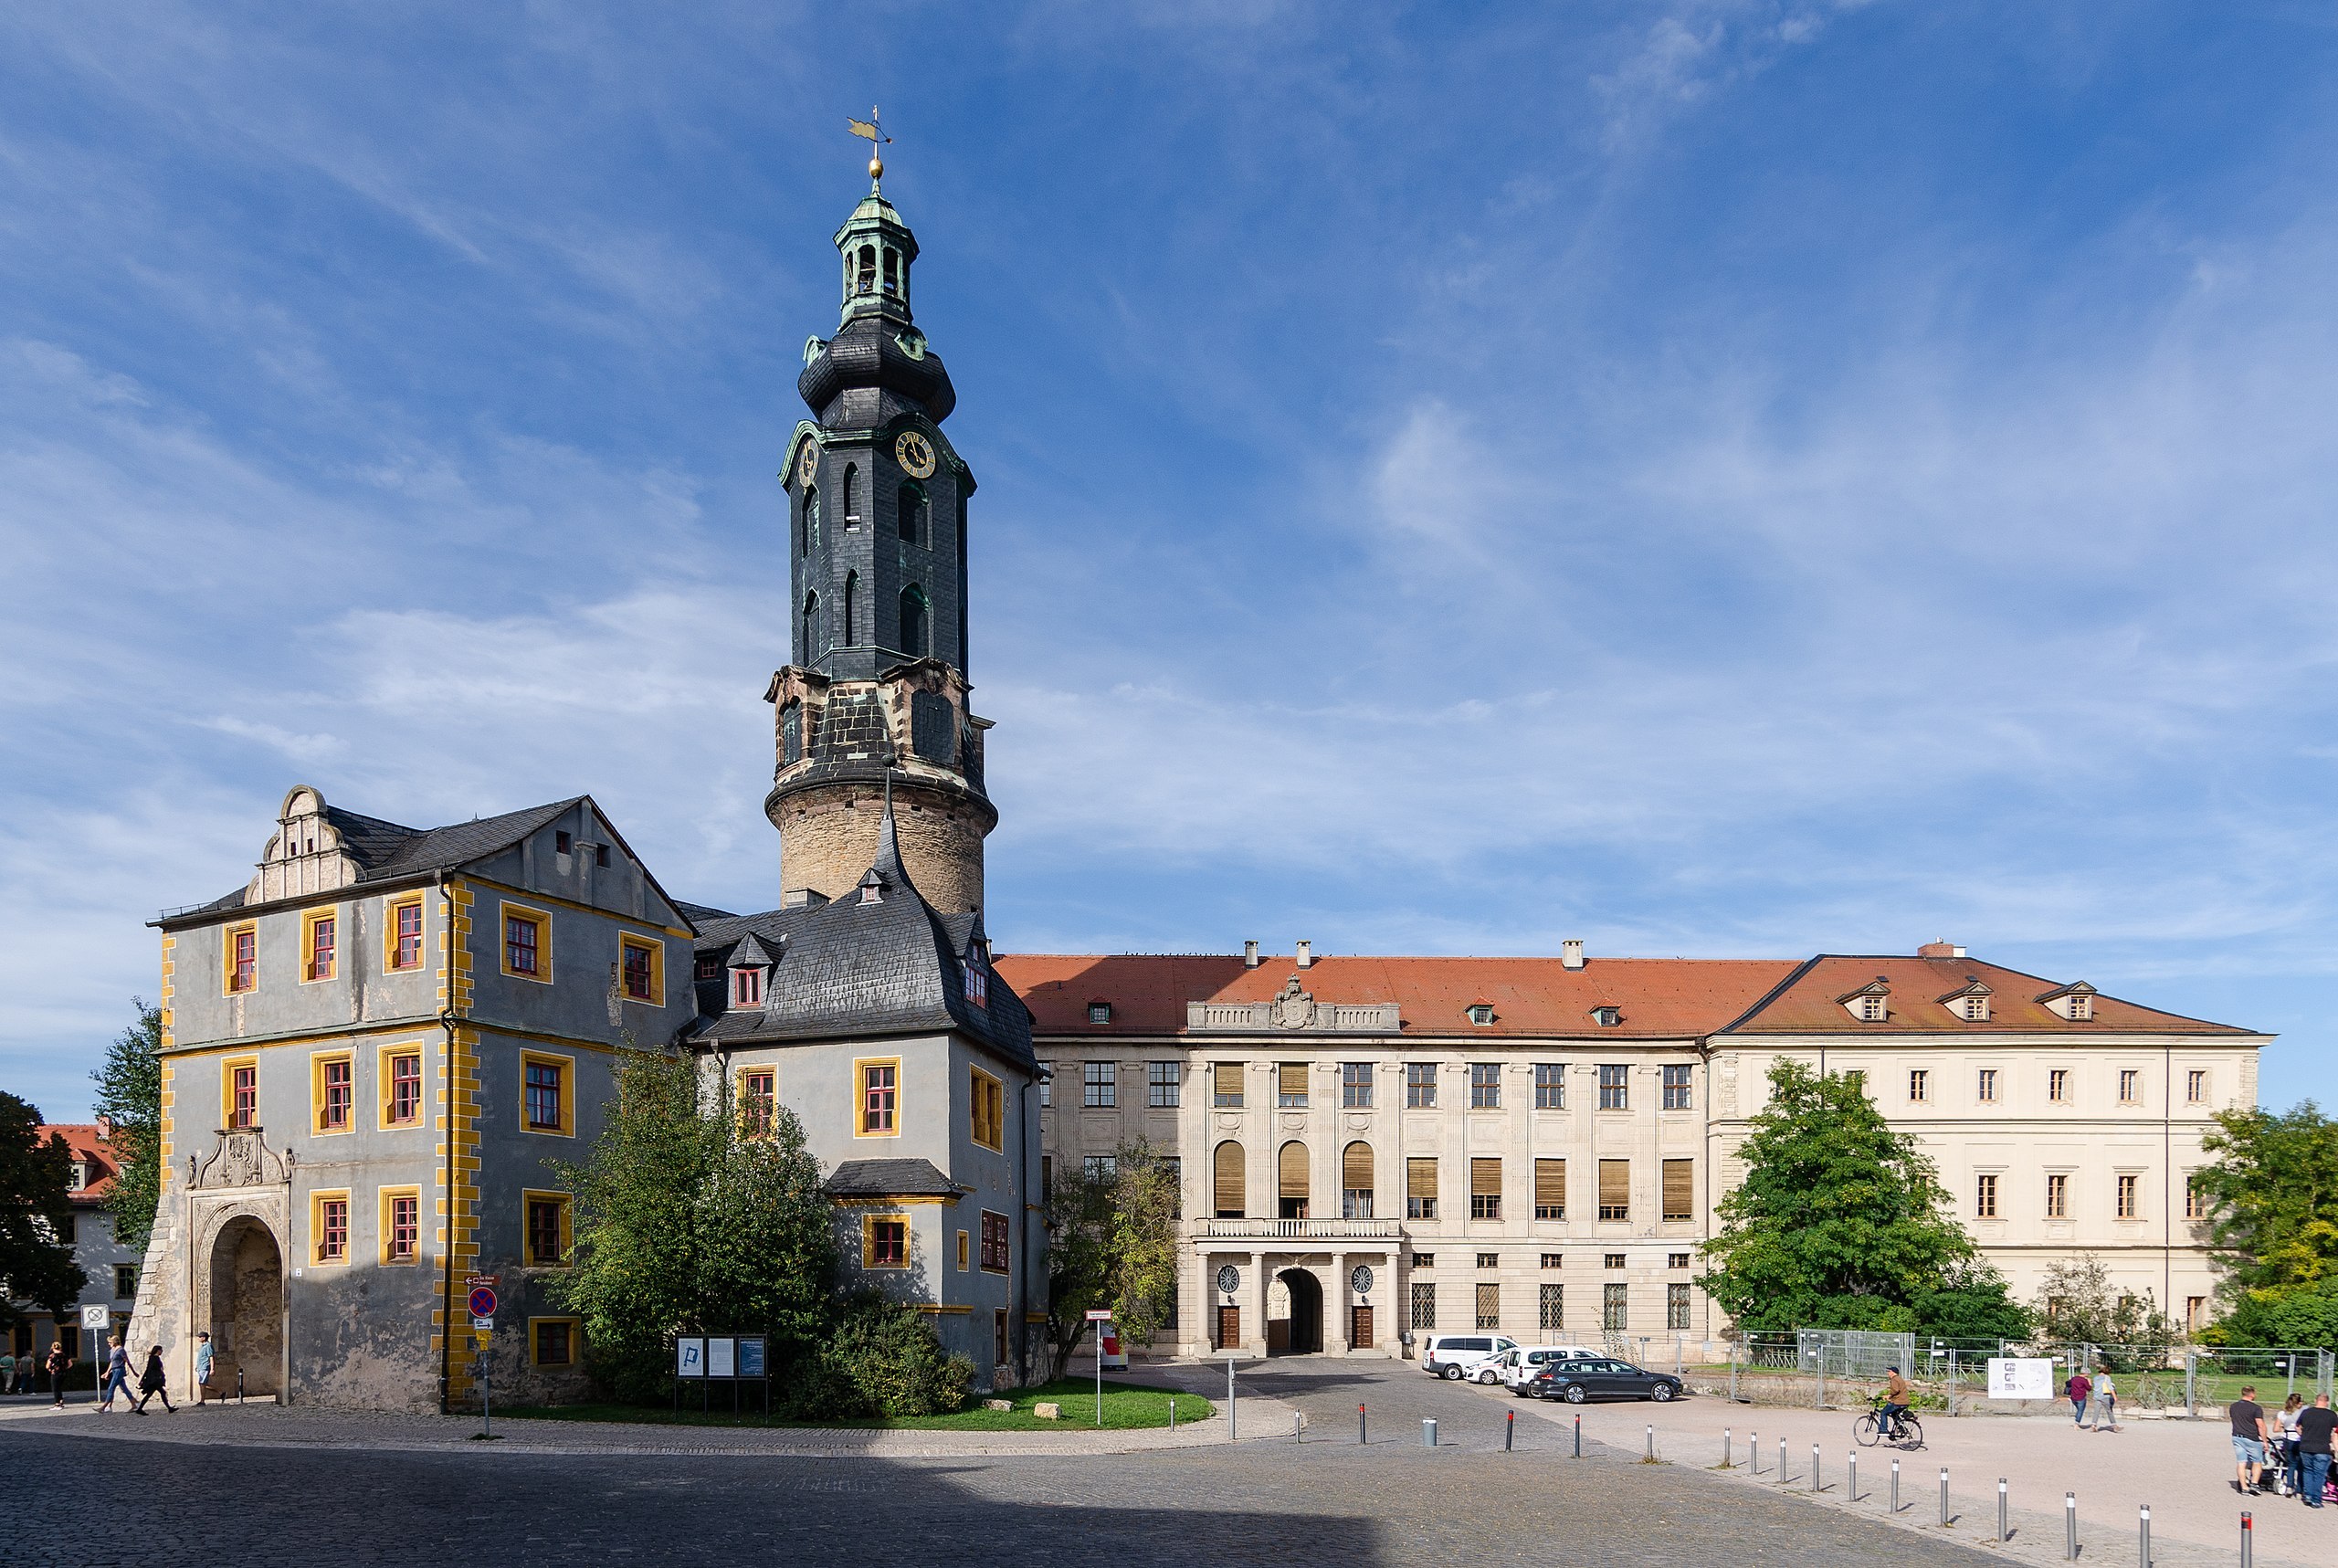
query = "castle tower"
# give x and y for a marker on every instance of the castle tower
(877, 552)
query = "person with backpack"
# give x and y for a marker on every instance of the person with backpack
(150, 1383)
(2079, 1386)
(2106, 1399)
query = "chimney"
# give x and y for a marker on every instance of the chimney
(1940, 950)
(1571, 953)
(1306, 955)
(1250, 955)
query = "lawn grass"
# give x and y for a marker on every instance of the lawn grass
(1127, 1408)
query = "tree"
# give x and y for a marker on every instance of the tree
(2271, 1198)
(1838, 1223)
(1112, 1243)
(36, 1209)
(130, 1097)
(2081, 1305)
(684, 1223)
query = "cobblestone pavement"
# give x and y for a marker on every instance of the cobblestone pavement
(1267, 1500)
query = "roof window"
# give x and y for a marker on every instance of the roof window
(1482, 1012)
(1607, 1017)
(1969, 1002)
(2074, 1003)
(1099, 1012)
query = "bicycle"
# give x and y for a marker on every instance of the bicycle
(1869, 1430)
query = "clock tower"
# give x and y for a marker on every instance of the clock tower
(875, 687)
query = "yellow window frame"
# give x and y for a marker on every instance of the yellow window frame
(738, 1096)
(868, 1224)
(965, 1251)
(317, 1202)
(385, 1081)
(390, 907)
(861, 1128)
(227, 1066)
(542, 919)
(309, 920)
(567, 1065)
(576, 1327)
(530, 1197)
(227, 935)
(318, 1061)
(988, 1109)
(627, 942)
(385, 1198)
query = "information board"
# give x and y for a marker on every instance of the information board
(722, 1357)
(2020, 1377)
(690, 1357)
(750, 1355)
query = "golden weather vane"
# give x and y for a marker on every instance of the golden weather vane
(872, 129)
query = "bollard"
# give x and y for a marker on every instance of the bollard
(1652, 1440)
(1943, 1497)
(1360, 1438)
(1782, 1477)
(1813, 1469)
(1578, 1436)
(1230, 1432)
(1173, 1412)
(2001, 1510)
(1509, 1430)
(2070, 1527)
(1851, 1483)
(1754, 1448)
(1428, 1434)
(1298, 1427)
(1895, 1488)
(2143, 1536)
(2247, 1541)
(1725, 1448)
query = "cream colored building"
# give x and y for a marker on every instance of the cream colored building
(1369, 1146)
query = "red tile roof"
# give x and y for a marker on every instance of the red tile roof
(1810, 1004)
(1669, 998)
(90, 1147)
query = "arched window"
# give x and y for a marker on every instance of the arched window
(913, 620)
(791, 732)
(811, 627)
(1291, 1180)
(851, 606)
(1356, 1181)
(911, 514)
(868, 278)
(851, 493)
(1226, 1182)
(893, 271)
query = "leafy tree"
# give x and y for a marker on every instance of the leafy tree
(2080, 1304)
(130, 1096)
(1112, 1242)
(882, 1359)
(684, 1224)
(1838, 1223)
(2272, 1202)
(34, 1211)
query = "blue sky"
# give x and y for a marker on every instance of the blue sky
(1710, 479)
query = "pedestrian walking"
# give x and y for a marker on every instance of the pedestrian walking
(8, 1371)
(2286, 1429)
(2314, 1428)
(205, 1358)
(150, 1383)
(2079, 1386)
(2106, 1401)
(2247, 1440)
(116, 1374)
(59, 1362)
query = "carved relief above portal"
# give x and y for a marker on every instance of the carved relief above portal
(242, 1158)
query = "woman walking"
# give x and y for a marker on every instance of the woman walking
(2292, 1456)
(150, 1382)
(2106, 1399)
(116, 1373)
(57, 1364)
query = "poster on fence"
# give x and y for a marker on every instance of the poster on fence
(2020, 1377)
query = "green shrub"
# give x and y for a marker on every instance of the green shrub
(882, 1359)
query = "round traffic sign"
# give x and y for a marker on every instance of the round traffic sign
(482, 1302)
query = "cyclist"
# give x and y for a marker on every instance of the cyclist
(1896, 1390)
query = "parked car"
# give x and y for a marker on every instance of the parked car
(1603, 1378)
(1519, 1367)
(1456, 1356)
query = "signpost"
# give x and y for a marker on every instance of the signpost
(482, 1303)
(1099, 1316)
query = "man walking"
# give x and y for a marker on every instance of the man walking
(2315, 1429)
(2247, 1440)
(2077, 1388)
(205, 1358)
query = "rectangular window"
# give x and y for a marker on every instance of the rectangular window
(1676, 1305)
(1676, 1261)
(2196, 1201)
(643, 967)
(1290, 1085)
(1615, 1314)
(1615, 1189)
(880, 1098)
(1100, 1084)
(1679, 1189)
(403, 932)
(1355, 1085)
(329, 1227)
(2128, 1190)
(1424, 1304)
(1226, 1085)
(402, 1105)
(125, 1281)
(1984, 1196)
(965, 1252)
(527, 944)
(1047, 1086)
(2196, 1087)
(545, 1100)
(335, 1088)
(884, 1241)
(1919, 1084)
(1423, 1261)
(989, 1103)
(1986, 1088)
(1490, 1306)
(1173, 1167)
(1047, 1178)
(1550, 1189)
(1550, 1086)
(1490, 1260)
(1856, 1078)
(552, 1341)
(2131, 1090)
(1099, 1167)
(747, 987)
(1356, 1181)
(243, 958)
(1551, 1308)
(1420, 1086)
(243, 1095)
(1553, 1260)
(1675, 1087)
(320, 943)
(2196, 1314)
(758, 1102)
(1614, 1086)
(401, 1225)
(994, 1251)
(547, 1229)
(1165, 1085)
(1099, 1012)
(1420, 1188)
(2057, 1086)
(1612, 1261)
(1485, 1188)
(1485, 1086)
(2058, 1197)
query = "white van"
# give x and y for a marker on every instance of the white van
(1519, 1367)
(1456, 1356)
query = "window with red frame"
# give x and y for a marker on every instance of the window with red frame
(405, 1088)
(994, 1253)
(243, 1097)
(341, 1089)
(405, 1229)
(332, 1229)
(320, 947)
(878, 1097)
(889, 1243)
(640, 980)
(543, 1096)
(243, 972)
(407, 952)
(747, 988)
(757, 1103)
(519, 938)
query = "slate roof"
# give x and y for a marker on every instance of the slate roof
(889, 1179)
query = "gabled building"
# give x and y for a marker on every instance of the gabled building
(112, 1268)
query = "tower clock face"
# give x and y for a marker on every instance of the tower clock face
(807, 468)
(915, 454)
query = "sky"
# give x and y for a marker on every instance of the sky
(1720, 477)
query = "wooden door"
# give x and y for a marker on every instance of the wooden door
(1360, 1328)
(1229, 1327)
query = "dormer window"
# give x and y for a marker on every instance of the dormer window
(747, 987)
(2074, 1003)
(1871, 1004)
(1976, 1009)
(1481, 1013)
(710, 967)
(1971, 1003)
(1607, 1017)
(2081, 1009)
(1872, 1009)
(977, 983)
(78, 1178)
(1099, 1012)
